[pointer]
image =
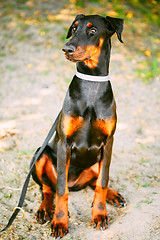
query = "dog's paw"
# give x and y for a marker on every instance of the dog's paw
(44, 214)
(59, 226)
(115, 198)
(100, 222)
(99, 215)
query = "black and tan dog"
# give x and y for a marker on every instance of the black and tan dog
(80, 152)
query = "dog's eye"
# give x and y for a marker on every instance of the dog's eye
(92, 31)
(73, 29)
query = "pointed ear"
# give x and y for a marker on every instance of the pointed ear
(115, 25)
(70, 29)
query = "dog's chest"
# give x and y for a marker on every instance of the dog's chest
(89, 110)
(85, 127)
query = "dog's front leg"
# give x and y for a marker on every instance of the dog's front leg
(99, 211)
(60, 219)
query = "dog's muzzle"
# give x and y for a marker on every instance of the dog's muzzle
(69, 49)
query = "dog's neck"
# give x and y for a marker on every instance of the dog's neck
(102, 67)
(92, 78)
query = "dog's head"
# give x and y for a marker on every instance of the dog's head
(89, 35)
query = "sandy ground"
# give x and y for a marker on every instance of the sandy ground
(33, 82)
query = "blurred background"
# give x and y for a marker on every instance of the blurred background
(23, 21)
(34, 76)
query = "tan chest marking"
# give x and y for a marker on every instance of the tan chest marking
(71, 124)
(105, 126)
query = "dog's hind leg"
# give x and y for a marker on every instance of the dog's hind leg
(115, 198)
(45, 175)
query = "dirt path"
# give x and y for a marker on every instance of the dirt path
(34, 79)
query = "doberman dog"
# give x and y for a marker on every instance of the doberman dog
(80, 152)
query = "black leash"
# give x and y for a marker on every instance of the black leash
(25, 186)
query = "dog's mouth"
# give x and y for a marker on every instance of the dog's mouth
(71, 58)
(78, 56)
(75, 59)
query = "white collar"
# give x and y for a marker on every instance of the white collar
(92, 78)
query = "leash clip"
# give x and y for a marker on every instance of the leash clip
(21, 216)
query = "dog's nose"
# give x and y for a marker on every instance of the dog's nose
(69, 49)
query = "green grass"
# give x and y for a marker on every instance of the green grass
(145, 147)
(2, 54)
(11, 68)
(148, 70)
(145, 160)
(80, 3)
(22, 37)
(147, 10)
(8, 196)
(136, 176)
(146, 185)
(62, 37)
(67, 80)
(147, 201)
(46, 72)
